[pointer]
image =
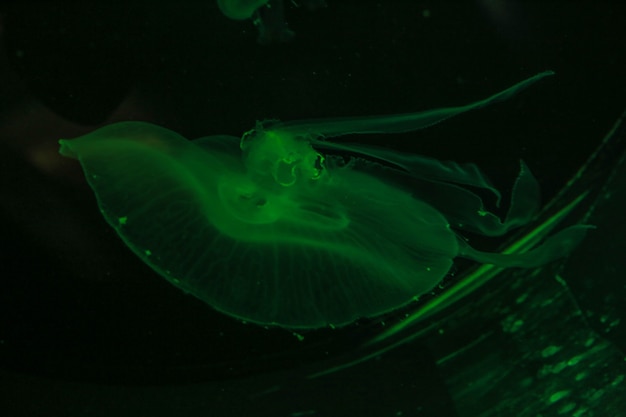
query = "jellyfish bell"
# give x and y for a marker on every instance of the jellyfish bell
(276, 230)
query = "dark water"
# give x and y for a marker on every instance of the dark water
(86, 329)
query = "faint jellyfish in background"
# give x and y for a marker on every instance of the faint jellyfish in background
(267, 15)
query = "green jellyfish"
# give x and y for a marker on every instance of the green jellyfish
(277, 229)
(240, 9)
(267, 15)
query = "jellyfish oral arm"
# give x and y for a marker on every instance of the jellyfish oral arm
(397, 123)
(285, 157)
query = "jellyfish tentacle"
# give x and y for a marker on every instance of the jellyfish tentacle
(556, 246)
(397, 123)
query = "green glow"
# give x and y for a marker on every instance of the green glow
(486, 272)
(274, 229)
(268, 16)
(559, 395)
(239, 9)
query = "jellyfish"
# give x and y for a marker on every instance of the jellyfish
(240, 9)
(286, 228)
(267, 15)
